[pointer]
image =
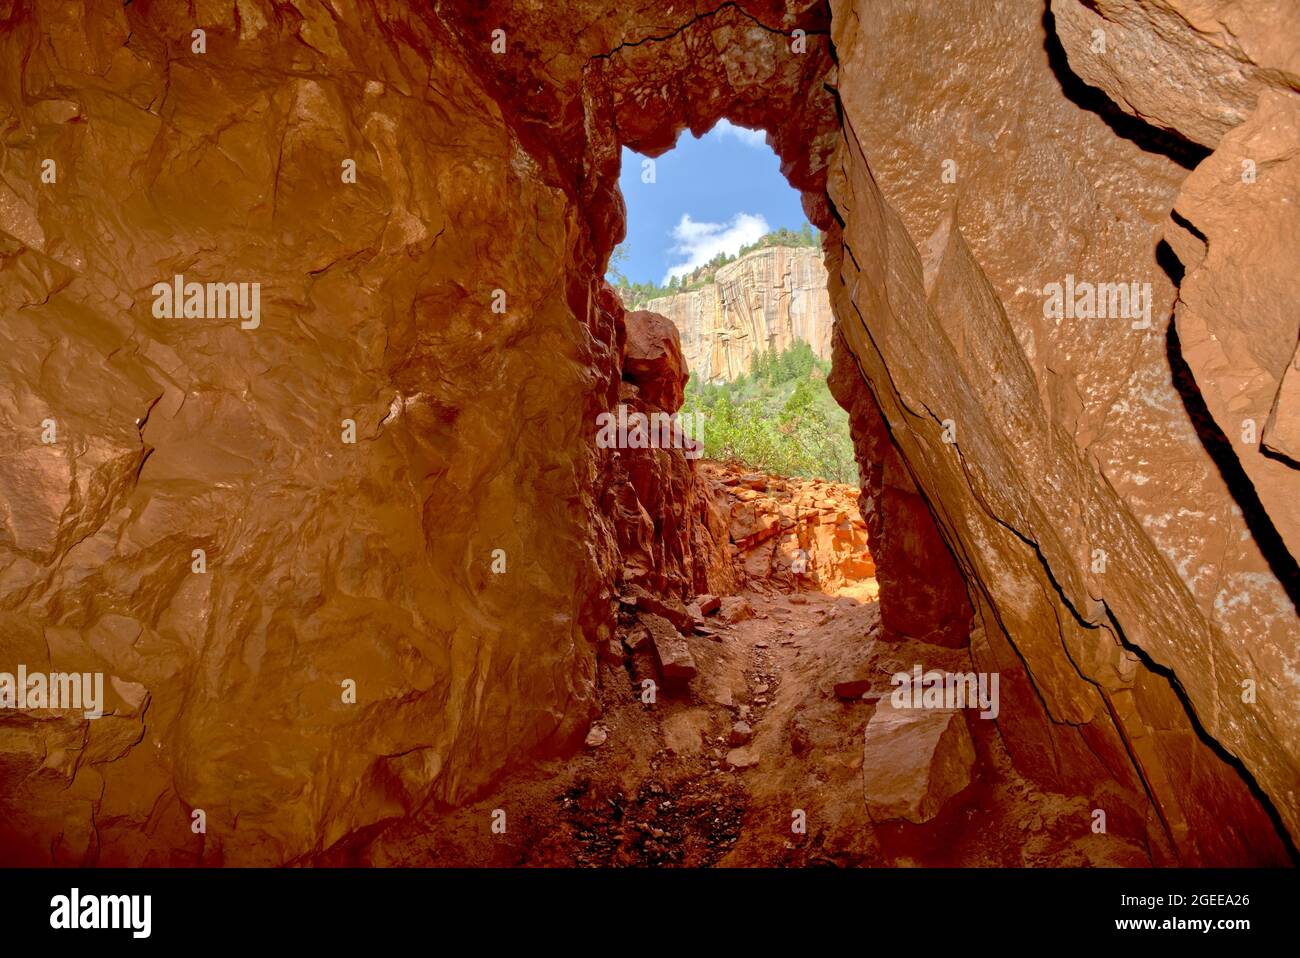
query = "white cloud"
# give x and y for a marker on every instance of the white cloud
(726, 128)
(697, 243)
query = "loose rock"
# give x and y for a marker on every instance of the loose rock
(913, 761)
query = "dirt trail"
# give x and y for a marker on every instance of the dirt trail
(679, 783)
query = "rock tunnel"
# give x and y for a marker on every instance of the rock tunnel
(391, 478)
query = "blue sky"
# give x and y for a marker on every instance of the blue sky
(710, 195)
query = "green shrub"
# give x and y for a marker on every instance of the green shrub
(780, 418)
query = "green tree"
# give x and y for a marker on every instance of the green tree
(616, 261)
(779, 418)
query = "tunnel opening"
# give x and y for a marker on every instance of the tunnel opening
(816, 681)
(916, 531)
(724, 286)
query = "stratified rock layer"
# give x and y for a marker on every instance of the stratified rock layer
(764, 301)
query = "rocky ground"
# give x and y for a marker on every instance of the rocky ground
(717, 769)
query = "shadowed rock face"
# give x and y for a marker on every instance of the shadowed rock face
(922, 593)
(458, 561)
(670, 525)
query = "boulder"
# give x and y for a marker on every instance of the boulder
(740, 734)
(745, 757)
(668, 607)
(654, 359)
(708, 604)
(735, 609)
(913, 761)
(676, 664)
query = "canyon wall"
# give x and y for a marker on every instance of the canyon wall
(1116, 580)
(371, 625)
(765, 300)
(357, 559)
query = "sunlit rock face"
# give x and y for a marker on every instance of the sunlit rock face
(1223, 78)
(379, 624)
(1191, 68)
(764, 301)
(1098, 535)
(796, 534)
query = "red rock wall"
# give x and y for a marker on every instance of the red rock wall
(922, 592)
(1071, 441)
(326, 561)
(669, 520)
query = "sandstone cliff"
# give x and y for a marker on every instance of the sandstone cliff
(765, 300)
(393, 480)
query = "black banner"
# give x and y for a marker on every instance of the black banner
(200, 908)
